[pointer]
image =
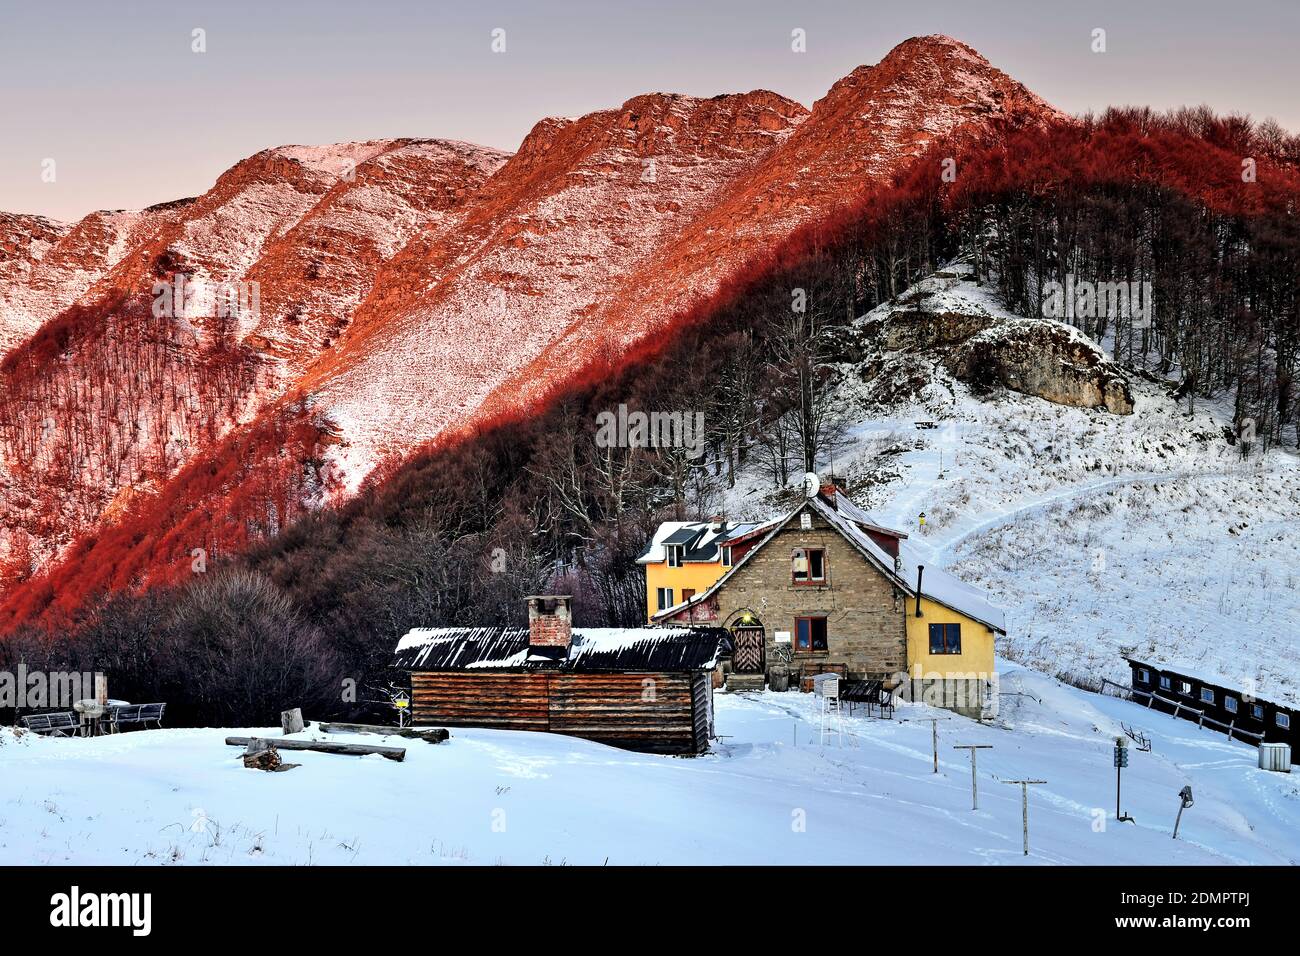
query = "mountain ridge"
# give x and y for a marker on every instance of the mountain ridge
(407, 288)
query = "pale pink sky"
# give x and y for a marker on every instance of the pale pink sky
(113, 93)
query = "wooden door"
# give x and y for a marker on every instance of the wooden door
(748, 656)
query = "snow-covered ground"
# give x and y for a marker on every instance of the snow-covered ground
(770, 793)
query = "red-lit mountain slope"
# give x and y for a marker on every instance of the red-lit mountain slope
(107, 400)
(584, 204)
(410, 287)
(867, 128)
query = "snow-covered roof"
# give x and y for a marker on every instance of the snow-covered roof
(592, 649)
(936, 584)
(1157, 661)
(852, 522)
(701, 539)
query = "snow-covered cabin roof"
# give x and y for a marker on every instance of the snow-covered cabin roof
(593, 649)
(1278, 696)
(853, 524)
(700, 539)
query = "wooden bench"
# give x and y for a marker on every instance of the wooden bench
(125, 715)
(869, 692)
(62, 724)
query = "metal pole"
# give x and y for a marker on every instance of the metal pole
(1177, 820)
(934, 741)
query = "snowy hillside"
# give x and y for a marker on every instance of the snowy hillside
(1097, 531)
(770, 793)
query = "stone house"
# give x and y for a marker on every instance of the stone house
(828, 588)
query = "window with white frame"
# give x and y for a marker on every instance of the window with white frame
(1185, 687)
(1165, 683)
(665, 598)
(1229, 704)
(1284, 720)
(1144, 675)
(675, 554)
(1207, 695)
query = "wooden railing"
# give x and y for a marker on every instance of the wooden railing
(1202, 718)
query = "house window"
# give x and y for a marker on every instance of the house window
(675, 553)
(665, 597)
(1207, 695)
(1144, 675)
(724, 555)
(1229, 704)
(1165, 683)
(1284, 720)
(1257, 711)
(810, 633)
(809, 565)
(945, 638)
(1185, 687)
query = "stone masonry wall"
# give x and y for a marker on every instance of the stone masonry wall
(865, 618)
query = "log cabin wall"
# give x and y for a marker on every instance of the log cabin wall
(651, 712)
(502, 700)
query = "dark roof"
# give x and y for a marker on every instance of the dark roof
(700, 540)
(604, 650)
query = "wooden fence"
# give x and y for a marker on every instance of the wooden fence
(1201, 718)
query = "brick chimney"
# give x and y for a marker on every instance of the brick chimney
(550, 623)
(829, 489)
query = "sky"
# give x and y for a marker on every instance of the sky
(131, 114)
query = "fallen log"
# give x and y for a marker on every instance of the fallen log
(433, 735)
(327, 747)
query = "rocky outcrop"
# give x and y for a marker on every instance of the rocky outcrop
(1047, 359)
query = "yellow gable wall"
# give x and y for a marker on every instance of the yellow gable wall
(694, 576)
(976, 655)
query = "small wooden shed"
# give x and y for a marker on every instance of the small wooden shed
(645, 689)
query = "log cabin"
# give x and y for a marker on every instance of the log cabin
(647, 689)
(828, 588)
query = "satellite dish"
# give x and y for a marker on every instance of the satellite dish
(811, 484)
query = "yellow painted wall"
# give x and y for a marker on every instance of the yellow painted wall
(696, 576)
(976, 655)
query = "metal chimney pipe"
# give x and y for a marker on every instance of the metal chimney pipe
(920, 570)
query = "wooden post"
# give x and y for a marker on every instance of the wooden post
(1024, 806)
(291, 721)
(974, 787)
(101, 689)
